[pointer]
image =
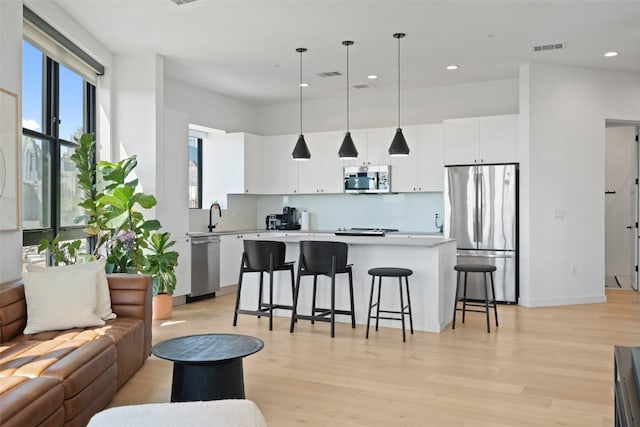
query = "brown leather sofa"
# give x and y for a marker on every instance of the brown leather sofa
(61, 378)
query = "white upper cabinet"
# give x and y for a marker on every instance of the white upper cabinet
(279, 171)
(498, 138)
(404, 170)
(490, 139)
(323, 172)
(378, 142)
(243, 163)
(430, 158)
(423, 168)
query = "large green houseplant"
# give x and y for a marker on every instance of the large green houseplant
(113, 216)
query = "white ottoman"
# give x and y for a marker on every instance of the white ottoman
(217, 413)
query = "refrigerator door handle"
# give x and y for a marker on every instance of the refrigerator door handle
(481, 204)
(476, 231)
(484, 256)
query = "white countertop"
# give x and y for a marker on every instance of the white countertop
(405, 238)
(389, 239)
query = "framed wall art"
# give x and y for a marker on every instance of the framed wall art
(9, 190)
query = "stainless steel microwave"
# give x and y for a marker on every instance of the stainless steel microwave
(367, 179)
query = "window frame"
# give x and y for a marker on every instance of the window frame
(50, 114)
(199, 174)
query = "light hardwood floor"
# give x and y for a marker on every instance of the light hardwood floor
(541, 367)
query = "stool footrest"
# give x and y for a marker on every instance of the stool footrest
(267, 306)
(474, 311)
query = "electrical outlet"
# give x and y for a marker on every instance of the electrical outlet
(573, 269)
(285, 199)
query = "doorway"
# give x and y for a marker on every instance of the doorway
(621, 205)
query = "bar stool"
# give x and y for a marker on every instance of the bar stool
(475, 268)
(404, 310)
(263, 256)
(326, 259)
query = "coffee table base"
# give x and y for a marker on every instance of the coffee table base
(224, 380)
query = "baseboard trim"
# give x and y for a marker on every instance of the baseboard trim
(550, 302)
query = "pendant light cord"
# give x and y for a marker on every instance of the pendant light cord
(398, 82)
(347, 87)
(300, 92)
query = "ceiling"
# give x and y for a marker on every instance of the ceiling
(246, 49)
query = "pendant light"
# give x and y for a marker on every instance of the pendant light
(301, 151)
(399, 145)
(348, 148)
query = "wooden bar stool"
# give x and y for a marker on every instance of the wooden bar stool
(404, 310)
(475, 268)
(263, 256)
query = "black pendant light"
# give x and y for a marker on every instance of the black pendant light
(399, 145)
(348, 148)
(301, 151)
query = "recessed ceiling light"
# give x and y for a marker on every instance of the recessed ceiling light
(452, 67)
(372, 77)
(611, 54)
(303, 84)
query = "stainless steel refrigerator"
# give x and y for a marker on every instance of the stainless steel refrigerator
(481, 213)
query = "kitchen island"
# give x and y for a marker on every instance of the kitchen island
(432, 285)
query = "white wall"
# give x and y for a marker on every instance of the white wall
(11, 80)
(620, 173)
(372, 110)
(136, 127)
(209, 109)
(565, 113)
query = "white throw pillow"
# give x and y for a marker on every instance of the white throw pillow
(60, 300)
(103, 297)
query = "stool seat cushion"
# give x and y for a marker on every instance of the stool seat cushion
(390, 272)
(220, 413)
(475, 268)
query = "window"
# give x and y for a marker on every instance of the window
(195, 172)
(58, 105)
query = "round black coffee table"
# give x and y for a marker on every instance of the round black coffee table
(207, 367)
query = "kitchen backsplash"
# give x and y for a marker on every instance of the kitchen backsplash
(404, 211)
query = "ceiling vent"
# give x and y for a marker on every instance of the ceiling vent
(362, 85)
(552, 46)
(179, 2)
(330, 74)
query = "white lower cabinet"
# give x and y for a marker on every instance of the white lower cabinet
(231, 248)
(183, 270)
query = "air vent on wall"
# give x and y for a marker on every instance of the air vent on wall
(552, 46)
(330, 74)
(179, 2)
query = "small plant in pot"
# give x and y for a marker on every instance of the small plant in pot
(160, 263)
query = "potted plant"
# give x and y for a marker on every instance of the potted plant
(112, 214)
(160, 263)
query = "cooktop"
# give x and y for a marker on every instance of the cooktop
(364, 231)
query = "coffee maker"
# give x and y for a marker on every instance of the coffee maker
(288, 220)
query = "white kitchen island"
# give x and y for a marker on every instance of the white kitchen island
(432, 285)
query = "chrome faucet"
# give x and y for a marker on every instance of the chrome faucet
(213, 206)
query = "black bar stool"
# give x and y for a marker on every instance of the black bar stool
(404, 310)
(326, 259)
(263, 256)
(475, 268)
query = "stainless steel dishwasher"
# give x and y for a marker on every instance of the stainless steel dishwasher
(205, 266)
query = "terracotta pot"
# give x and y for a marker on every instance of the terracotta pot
(162, 307)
